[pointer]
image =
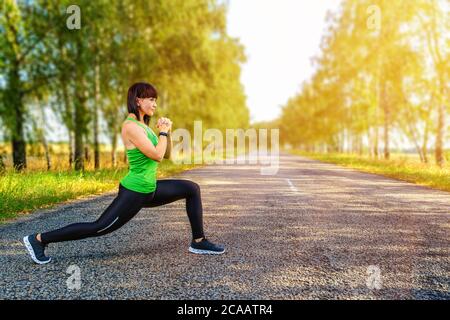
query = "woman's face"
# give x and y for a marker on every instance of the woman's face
(147, 105)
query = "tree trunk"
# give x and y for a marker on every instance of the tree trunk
(78, 154)
(426, 133)
(81, 96)
(67, 113)
(413, 135)
(369, 142)
(2, 163)
(42, 138)
(2, 160)
(70, 148)
(18, 143)
(439, 153)
(96, 108)
(387, 119)
(114, 151)
(341, 142)
(440, 65)
(17, 119)
(360, 145)
(376, 142)
(87, 155)
(47, 153)
(411, 129)
(79, 128)
(68, 117)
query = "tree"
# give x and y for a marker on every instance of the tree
(24, 68)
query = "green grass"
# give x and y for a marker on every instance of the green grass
(401, 167)
(21, 193)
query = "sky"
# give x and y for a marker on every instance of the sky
(280, 38)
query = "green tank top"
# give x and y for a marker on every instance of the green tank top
(142, 174)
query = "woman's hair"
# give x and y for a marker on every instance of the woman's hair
(140, 90)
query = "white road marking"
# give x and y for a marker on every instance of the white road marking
(293, 188)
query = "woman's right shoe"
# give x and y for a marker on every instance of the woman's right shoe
(36, 249)
(205, 247)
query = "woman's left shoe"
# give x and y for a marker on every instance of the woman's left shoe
(205, 247)
(36, 249)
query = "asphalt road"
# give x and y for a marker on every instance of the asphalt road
(312, 231)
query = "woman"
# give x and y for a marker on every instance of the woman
(139, 188)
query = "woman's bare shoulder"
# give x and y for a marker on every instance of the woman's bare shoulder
(129, 126)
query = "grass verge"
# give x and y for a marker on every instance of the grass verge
(400, 167)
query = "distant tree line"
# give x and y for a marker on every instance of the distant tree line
(384, 68)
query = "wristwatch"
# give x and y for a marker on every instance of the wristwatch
(163, 134)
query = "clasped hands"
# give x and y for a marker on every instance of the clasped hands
(164, 124)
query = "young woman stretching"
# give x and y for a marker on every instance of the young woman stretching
(139, 188)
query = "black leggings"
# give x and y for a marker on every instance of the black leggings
(128, 203)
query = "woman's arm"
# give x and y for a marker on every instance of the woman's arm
(166, 122)
(139, 138)
(169, 146)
